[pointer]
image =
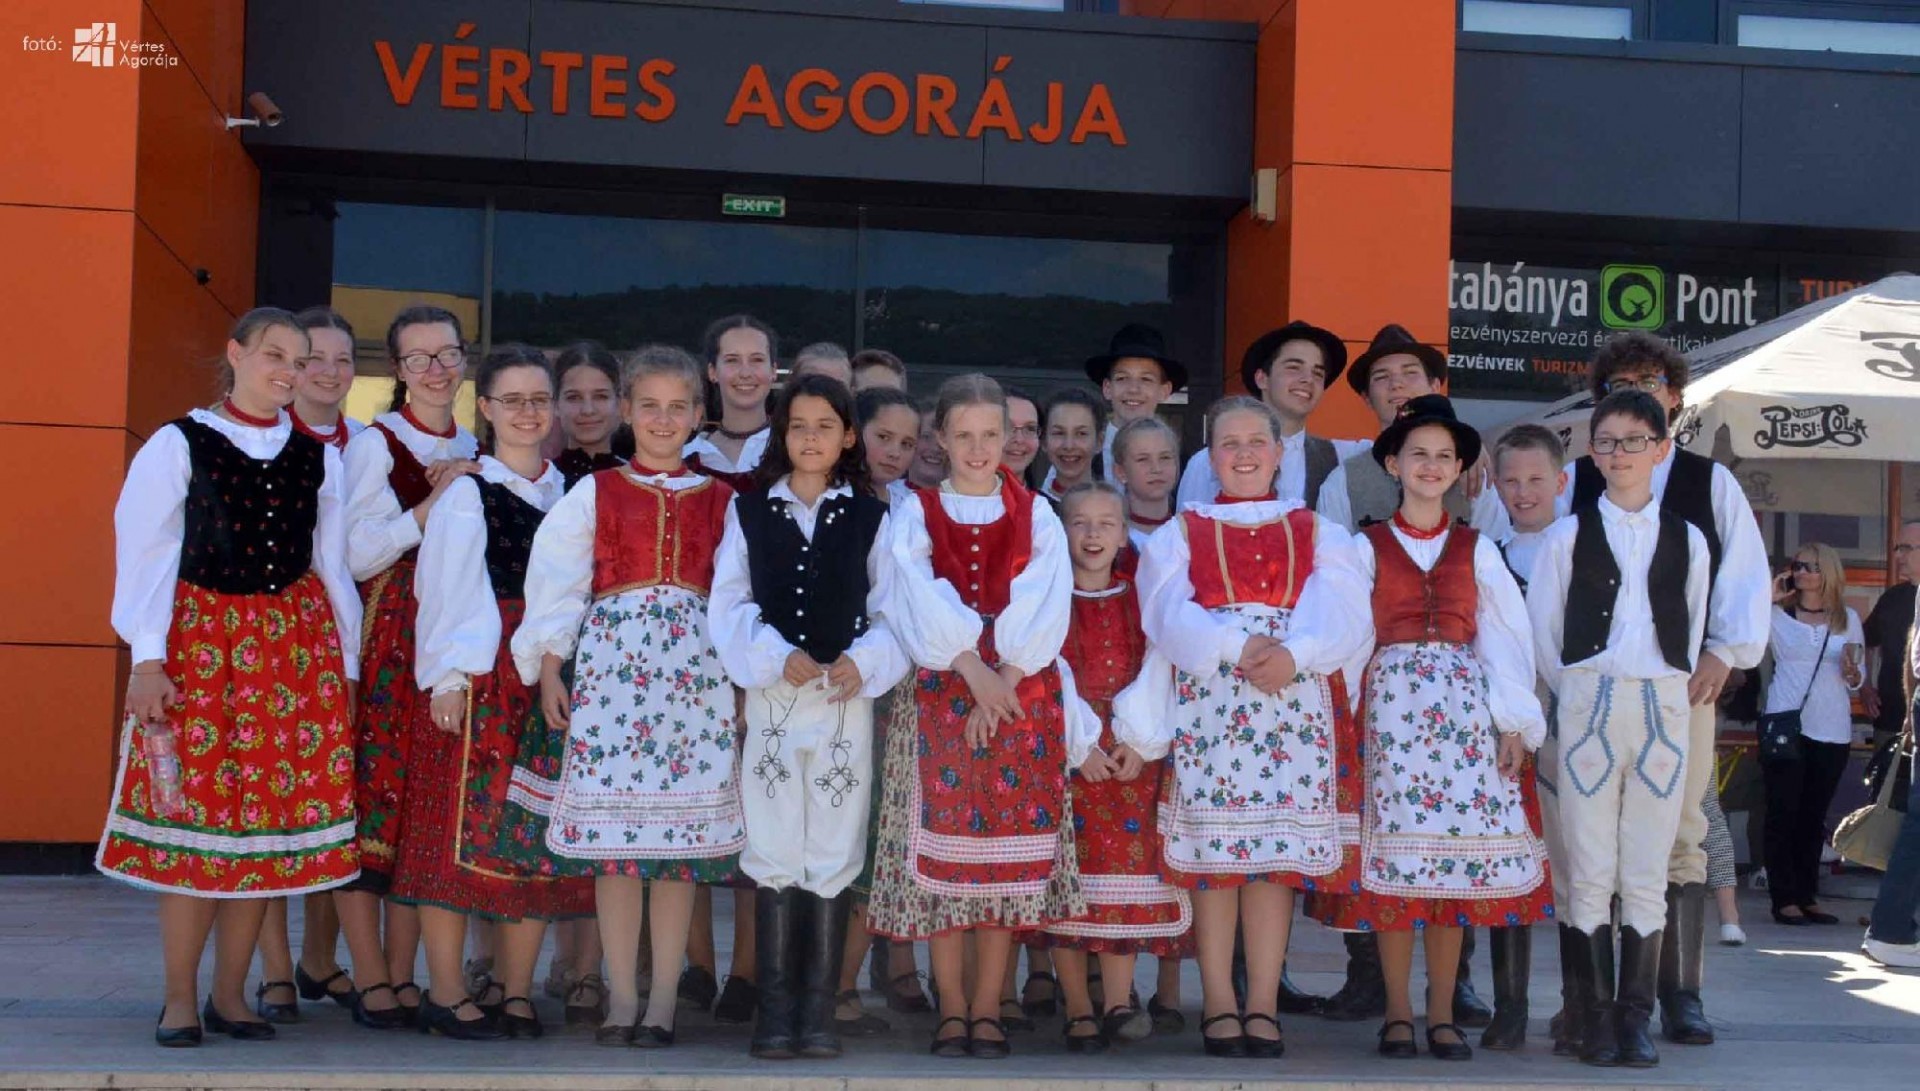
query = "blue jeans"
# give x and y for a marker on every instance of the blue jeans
(1893, 911)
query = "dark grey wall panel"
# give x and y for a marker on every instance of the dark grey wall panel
(1596, 135)
(1831, 149)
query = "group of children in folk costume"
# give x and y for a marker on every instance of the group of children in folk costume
(1079, 758)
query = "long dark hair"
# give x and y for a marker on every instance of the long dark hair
(850, 470)
(420, 314)
(593, 354)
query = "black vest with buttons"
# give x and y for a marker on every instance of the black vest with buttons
(1689, 494)
(1595, 583)
(511, 522)
(813, 594)
(249, 524)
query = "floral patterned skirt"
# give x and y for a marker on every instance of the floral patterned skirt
(266, 754)
(1445, 839)
(645, 780)
(455, 802)
(902, 905)
(390, 699)
(1261, 787)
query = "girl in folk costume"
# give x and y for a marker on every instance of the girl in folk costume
(1023, 435)
(742, 353)
(588, 411)
(1146, 463)
(1116, 795)
(634, 779)
(1250, 599)
(325, 377)
(1072, 423)
(231, 587)
(889, 433)
(795, 618)
(473, 563)
(976, 834)
(1449, 830)
(396, 471)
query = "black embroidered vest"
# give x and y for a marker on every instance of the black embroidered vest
(249, 524)
(813, 594)
(511, 522)
(1518, 577)
(1595, 583)
(1689, 494)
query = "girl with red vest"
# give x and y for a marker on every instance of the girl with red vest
(976, 834)
(1249, 598)
(396, 470)
(633, 778)
(1449, 827)
(231, 587)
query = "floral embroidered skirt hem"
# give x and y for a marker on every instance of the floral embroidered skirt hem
(266, 754)
(456, 797)
(644, 782)
(389, 700)
(903, 908)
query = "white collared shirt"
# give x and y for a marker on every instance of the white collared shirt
(379, 530)
(1633, 647)
(752, 450)
(1198, 484)
(458, 629)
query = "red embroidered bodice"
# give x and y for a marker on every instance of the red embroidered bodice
(645, 534)
(1105, 643)
(407, 479)
(981, 561)
(1409, 605)
(1265, 563)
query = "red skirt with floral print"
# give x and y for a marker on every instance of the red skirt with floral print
(456, 800)
(390, 699)
(266, 753)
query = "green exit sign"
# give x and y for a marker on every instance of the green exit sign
(740, 204)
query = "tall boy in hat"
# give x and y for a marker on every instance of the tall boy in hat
(1135, 375)
(1289, 369)
(1707, 496)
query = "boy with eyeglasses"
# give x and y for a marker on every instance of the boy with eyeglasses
(1706, 495)
(1618, 599)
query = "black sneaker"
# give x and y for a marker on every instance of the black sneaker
(738, 1000)
(697, 987)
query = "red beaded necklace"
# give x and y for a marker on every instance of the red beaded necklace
(453, 427)
(1400, 523)
(337, 438)
(246, 418)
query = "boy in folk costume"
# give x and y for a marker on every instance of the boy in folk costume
(1116, 794)
(1738, 621)
(1135, 376)
(796, 622)
(1247, 606)
(1448, 831)
(1618, 599)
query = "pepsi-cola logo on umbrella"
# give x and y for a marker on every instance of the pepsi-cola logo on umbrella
(1905, 346)
(1810, 426)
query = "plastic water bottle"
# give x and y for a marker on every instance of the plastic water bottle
(162, 748)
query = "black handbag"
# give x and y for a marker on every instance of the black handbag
(1779, 732)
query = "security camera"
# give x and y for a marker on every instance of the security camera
(264, 113)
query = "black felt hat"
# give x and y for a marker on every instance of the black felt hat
(1419, 412)
(1394, 340)
(1260, 354)
(1137, 341)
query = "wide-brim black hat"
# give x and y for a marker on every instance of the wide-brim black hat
(1394, 340)
(1137, 341)
(1260, 354)
(1419, 412)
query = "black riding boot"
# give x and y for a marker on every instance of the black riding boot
(775, 922)
(1566, 1026)
(1683, 950)
(1633, 1000)
(821, 947)
(1468, 1009)
(1297, 1001)
(1512, 950)
(1364, 996)
(1599, 1044)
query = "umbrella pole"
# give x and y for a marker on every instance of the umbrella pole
(1895, 516)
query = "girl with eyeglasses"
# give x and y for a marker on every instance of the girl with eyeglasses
(397, 470)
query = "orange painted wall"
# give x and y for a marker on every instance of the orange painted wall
(1354, 109)
(126, 181)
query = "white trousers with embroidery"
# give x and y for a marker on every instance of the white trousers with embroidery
(1622, 767)
(804, 785)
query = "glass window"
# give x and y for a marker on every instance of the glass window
(624, 282)
(1025, 309)
(1837, 35)
(1554, 20)
(1026, 5)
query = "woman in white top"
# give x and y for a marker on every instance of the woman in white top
(1817, 650)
